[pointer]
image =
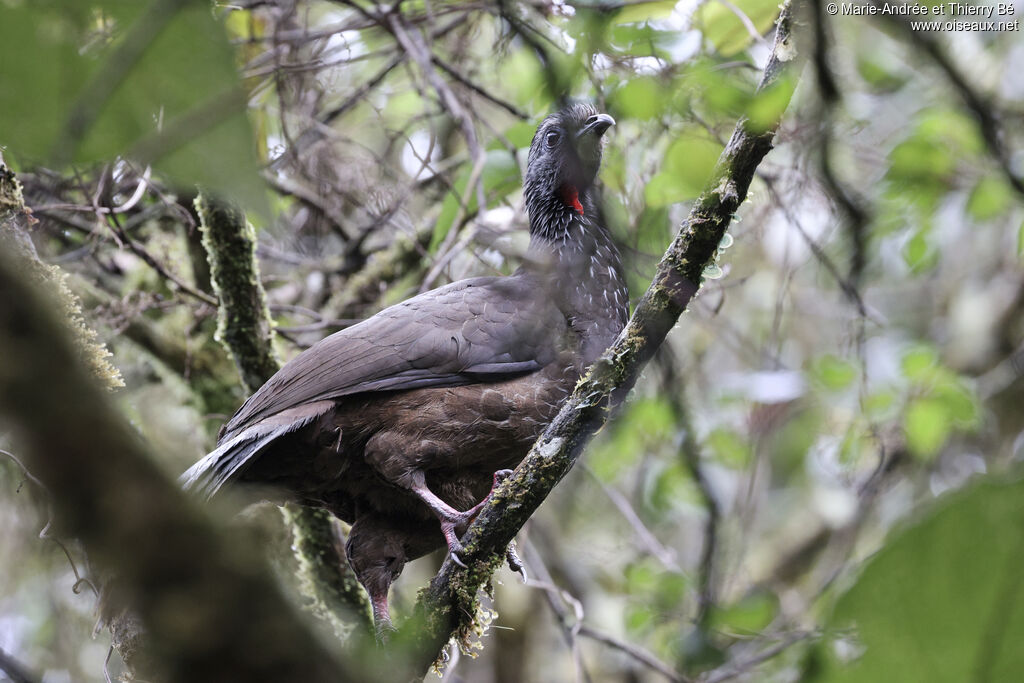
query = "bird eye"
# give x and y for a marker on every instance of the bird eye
(552, 138)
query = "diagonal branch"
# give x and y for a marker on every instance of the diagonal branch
(212, 612)
(448, 605)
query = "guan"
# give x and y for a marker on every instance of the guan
(409, 417)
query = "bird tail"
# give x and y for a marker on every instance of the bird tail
(231, 458)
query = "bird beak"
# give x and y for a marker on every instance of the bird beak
(597, 125)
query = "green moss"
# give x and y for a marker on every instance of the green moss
(244, 324)
(245, 329)
(331, 587)
(14, 219)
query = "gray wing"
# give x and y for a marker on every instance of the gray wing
(482, 329)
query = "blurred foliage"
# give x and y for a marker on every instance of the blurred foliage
(941, 602)
(87, 81)
(825, 406)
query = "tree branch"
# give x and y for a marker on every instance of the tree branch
(211, 612)
(447, 607)
(15, 221)
(246, 329)
(244, 325)
(14, 670)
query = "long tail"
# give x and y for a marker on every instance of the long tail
(233, 457)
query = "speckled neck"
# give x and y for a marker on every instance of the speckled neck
(576, 256)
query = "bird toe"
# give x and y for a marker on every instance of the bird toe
(457, 560)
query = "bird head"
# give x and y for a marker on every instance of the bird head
(565, 156)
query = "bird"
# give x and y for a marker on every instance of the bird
(402, 424)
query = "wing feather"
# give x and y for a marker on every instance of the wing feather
(483, 329)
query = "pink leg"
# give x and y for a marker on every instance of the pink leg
(451, 519)
(381, 617)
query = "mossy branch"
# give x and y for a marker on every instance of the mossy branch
(211, 612)
(447, 607)
(244, 325)
(246, 330)
(15, 220)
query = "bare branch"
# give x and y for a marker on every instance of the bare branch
(14, 670)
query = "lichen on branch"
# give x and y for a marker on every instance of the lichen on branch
(244, 324)
(15, 220)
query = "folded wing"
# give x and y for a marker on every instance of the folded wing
(477, 330)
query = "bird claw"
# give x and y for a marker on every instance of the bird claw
(515, 563)
(455, 523)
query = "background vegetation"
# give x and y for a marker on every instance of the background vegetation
(817, 477)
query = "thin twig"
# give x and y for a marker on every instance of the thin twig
(648, 540)
(690, 456)
(122, 235)
(14, 670)
(978, 104)
(46, 534)
(557, 600)
(636, 652)
(725, 674)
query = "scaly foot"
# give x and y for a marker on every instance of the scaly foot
(453, 522)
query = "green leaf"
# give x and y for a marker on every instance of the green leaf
(613, 176)
(728, 448)
(687, 166)
(958, 130)
(879, 405)
(880, 78)
(646, 424)
(645, 11)
(943, 601)
(1020, 240)
(834, 372)
(641, 578)
(854, 445)
(524, 77)
(500, 177)
(919, 160)
(750, 615)
(990, 198)
(402, 106)
(959, 403)
(641, 41)
(155, 82)
(919, 363)
(638, 619)
(726, 31)
(671, 486)
(640, 98)
(672, 589)
(918, 254)
(927, 425)
(767, 106)
(521, 134)
(791, 442)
